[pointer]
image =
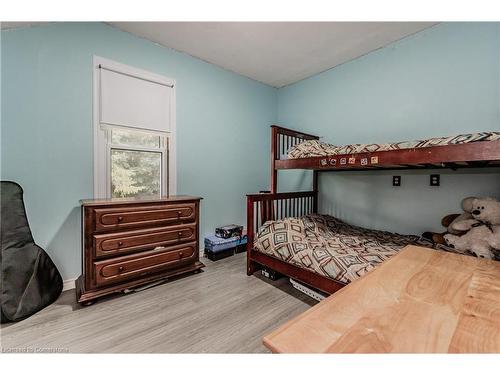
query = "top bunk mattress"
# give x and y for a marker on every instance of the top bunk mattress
(313, 148)
(330, 247)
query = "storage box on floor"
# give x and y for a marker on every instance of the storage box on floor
(217, 248)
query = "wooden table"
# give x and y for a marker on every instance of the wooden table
(419, 301)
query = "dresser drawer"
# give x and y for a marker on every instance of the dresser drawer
(114, 244)
(143, 216)
(138, 265)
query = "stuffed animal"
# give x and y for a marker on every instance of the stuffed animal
(457, 224)
(480, 240)
(461, 223)
(486, 210)
(482, 236)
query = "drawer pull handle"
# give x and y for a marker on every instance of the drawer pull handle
(179, 234)
(120, 243)
(120, 218)
(179, 213)
(120, 269)
(180, 254)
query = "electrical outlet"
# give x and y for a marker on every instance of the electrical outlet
(396, 180)
(435, 180)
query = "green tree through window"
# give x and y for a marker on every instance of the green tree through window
(136, 164)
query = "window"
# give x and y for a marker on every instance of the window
(134, 132)
(138, 162)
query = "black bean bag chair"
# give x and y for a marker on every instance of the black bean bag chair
(29, 279)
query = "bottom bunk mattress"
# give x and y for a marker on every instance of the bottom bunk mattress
(330, 247)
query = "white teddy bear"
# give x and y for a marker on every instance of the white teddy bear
(461, 223)
(483, 234)
(486, 210)
(478, 240)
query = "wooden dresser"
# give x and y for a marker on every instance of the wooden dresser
(127, 243)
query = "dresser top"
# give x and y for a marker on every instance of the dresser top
(171, 198)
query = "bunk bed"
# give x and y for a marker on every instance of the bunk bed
(280, 209)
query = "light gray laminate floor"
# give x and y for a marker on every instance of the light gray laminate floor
(220, 310)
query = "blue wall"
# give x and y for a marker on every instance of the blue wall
(222, 126)
(442, 81)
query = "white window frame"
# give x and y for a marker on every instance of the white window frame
(102, 132)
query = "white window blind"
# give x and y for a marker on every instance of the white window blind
(132, 101)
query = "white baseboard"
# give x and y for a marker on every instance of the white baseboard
(69, 284)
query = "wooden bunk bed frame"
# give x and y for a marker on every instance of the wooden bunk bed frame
(274, 206)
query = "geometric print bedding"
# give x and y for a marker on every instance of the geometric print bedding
(314, 147)
(329, 247)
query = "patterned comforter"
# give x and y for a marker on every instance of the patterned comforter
(312, 148)
(330, 247)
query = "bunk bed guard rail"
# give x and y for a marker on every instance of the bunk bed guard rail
(282, 139)
(268, 206)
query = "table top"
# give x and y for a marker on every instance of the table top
(419, 301)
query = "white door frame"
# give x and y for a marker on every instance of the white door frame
(100, 154)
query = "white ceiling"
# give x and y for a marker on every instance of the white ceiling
(275, 53)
